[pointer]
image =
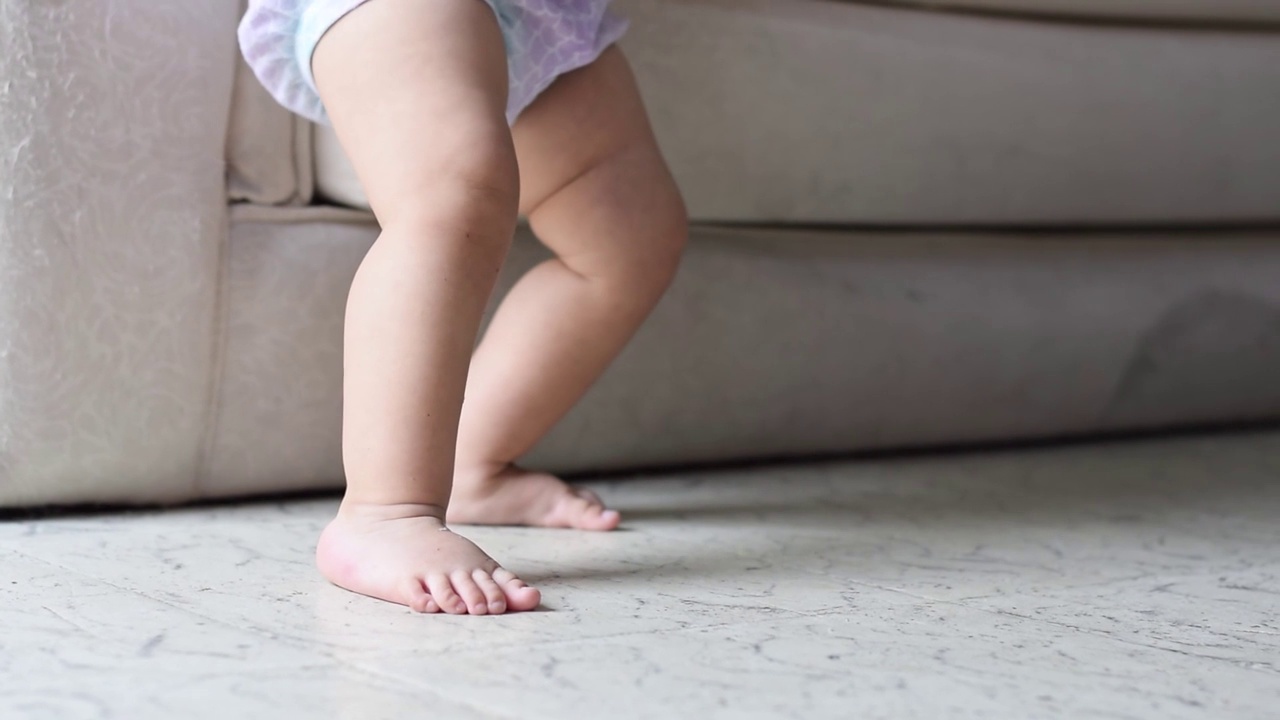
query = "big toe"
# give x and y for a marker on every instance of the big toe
(520, 597)
(586, 512)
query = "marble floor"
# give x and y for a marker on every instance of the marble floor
(1126, 580)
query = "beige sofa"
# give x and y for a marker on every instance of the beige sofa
(917, 224)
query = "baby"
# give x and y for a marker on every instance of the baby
(459, 115)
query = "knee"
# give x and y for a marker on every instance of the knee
(650, 264)
(470, 189)
(665, 249)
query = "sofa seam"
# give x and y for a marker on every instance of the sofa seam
(217, 364)
(218, 322)
(1195, 24)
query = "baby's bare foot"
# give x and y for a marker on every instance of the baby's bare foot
(512, 496)
(404, 554)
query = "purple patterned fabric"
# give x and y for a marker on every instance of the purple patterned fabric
(544, 38)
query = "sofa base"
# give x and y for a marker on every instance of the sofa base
(781, 343)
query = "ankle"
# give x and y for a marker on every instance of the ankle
(479, 471)
(366, 511)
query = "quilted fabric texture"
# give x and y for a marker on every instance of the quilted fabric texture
(544, 38)
(113, 118)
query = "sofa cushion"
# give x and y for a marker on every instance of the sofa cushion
(269, 156)
(1199, 11)
(784, 342)
(269, 162)
(833, 112)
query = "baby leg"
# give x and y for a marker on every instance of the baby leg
(416, 91)
(598, 193)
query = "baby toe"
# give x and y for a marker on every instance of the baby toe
(445, 596)
(416, 596)
(471, 594)
(492, 593)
